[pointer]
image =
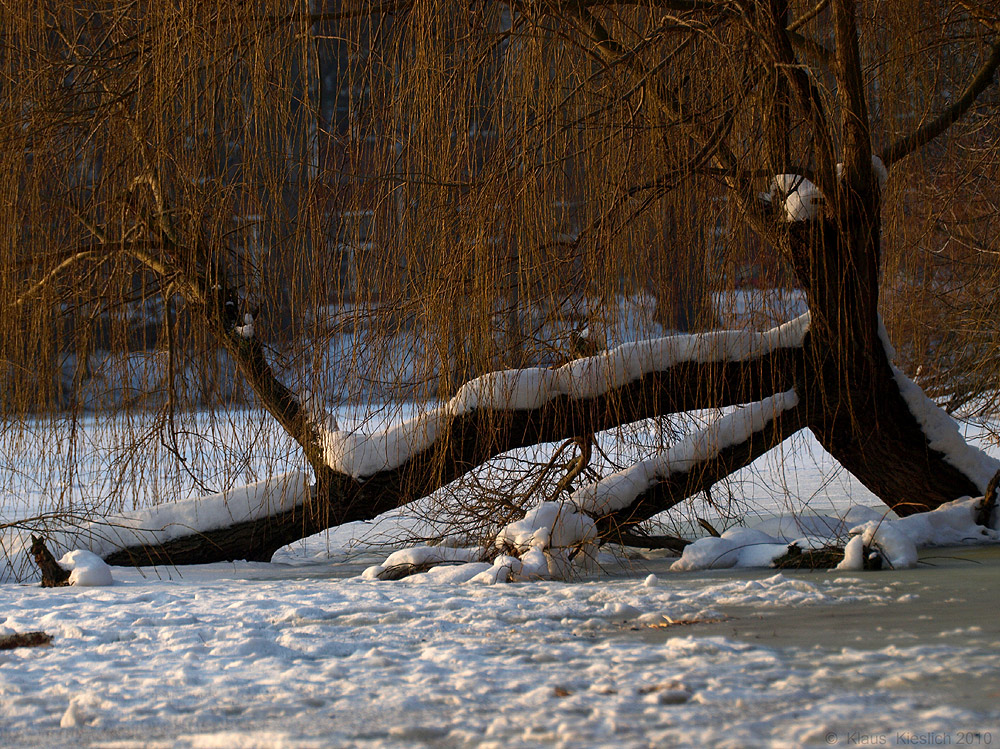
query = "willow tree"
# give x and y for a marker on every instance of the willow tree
(489, 173)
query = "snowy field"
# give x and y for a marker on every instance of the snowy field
(300, 656)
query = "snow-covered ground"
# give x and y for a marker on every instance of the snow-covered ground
(303, 652)
(254, 655)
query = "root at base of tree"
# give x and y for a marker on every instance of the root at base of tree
(823, 558)
(25, 640)
(53, 576)
(985, 513)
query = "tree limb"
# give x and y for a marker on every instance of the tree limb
(54, 273)
(470, 439)
(931, 130)
(678, 485)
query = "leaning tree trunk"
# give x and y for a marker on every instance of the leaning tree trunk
(854, 403)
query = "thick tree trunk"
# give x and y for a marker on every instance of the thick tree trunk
(853, 402)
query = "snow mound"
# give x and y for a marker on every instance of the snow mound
(550, 542)
(897, 540)
(419, 557)
(738, 547)
(86, 568)
(951, 524)
(550, 524)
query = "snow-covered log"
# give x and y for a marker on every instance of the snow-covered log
(371, 474)
(692, 466)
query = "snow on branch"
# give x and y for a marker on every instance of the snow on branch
(801, 200)
(364, 455)
(621, 489)
(163, 523)
(557, 538)
(127, 537)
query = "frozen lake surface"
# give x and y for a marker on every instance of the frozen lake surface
(279, 655)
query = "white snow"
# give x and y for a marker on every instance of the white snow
(362, 455)
(854, 554)
(951, 524)
(509, 390)
(620, 489)
(162, 523)
(548, 525)
(287, 654)
(199, 514)
(738, 547)
(423, 555)
(359, 455)
(800, 198)
(896, 539)
(246, 329)
(265, 656)
(940, 429)
(86, 568)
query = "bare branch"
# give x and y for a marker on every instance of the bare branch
(806, 17)
(56, 272)
(931, 130)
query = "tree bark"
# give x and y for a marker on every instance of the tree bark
(853, 402)
(53, 576)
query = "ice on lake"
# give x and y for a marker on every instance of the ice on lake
(310, 656)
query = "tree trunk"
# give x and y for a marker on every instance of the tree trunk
(854, 404)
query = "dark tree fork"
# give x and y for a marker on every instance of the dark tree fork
(818, 123)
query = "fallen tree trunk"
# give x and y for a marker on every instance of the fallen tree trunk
(470, 439)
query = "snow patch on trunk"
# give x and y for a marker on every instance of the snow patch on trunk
(358, 455)
(939, 428)
(800, 199)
